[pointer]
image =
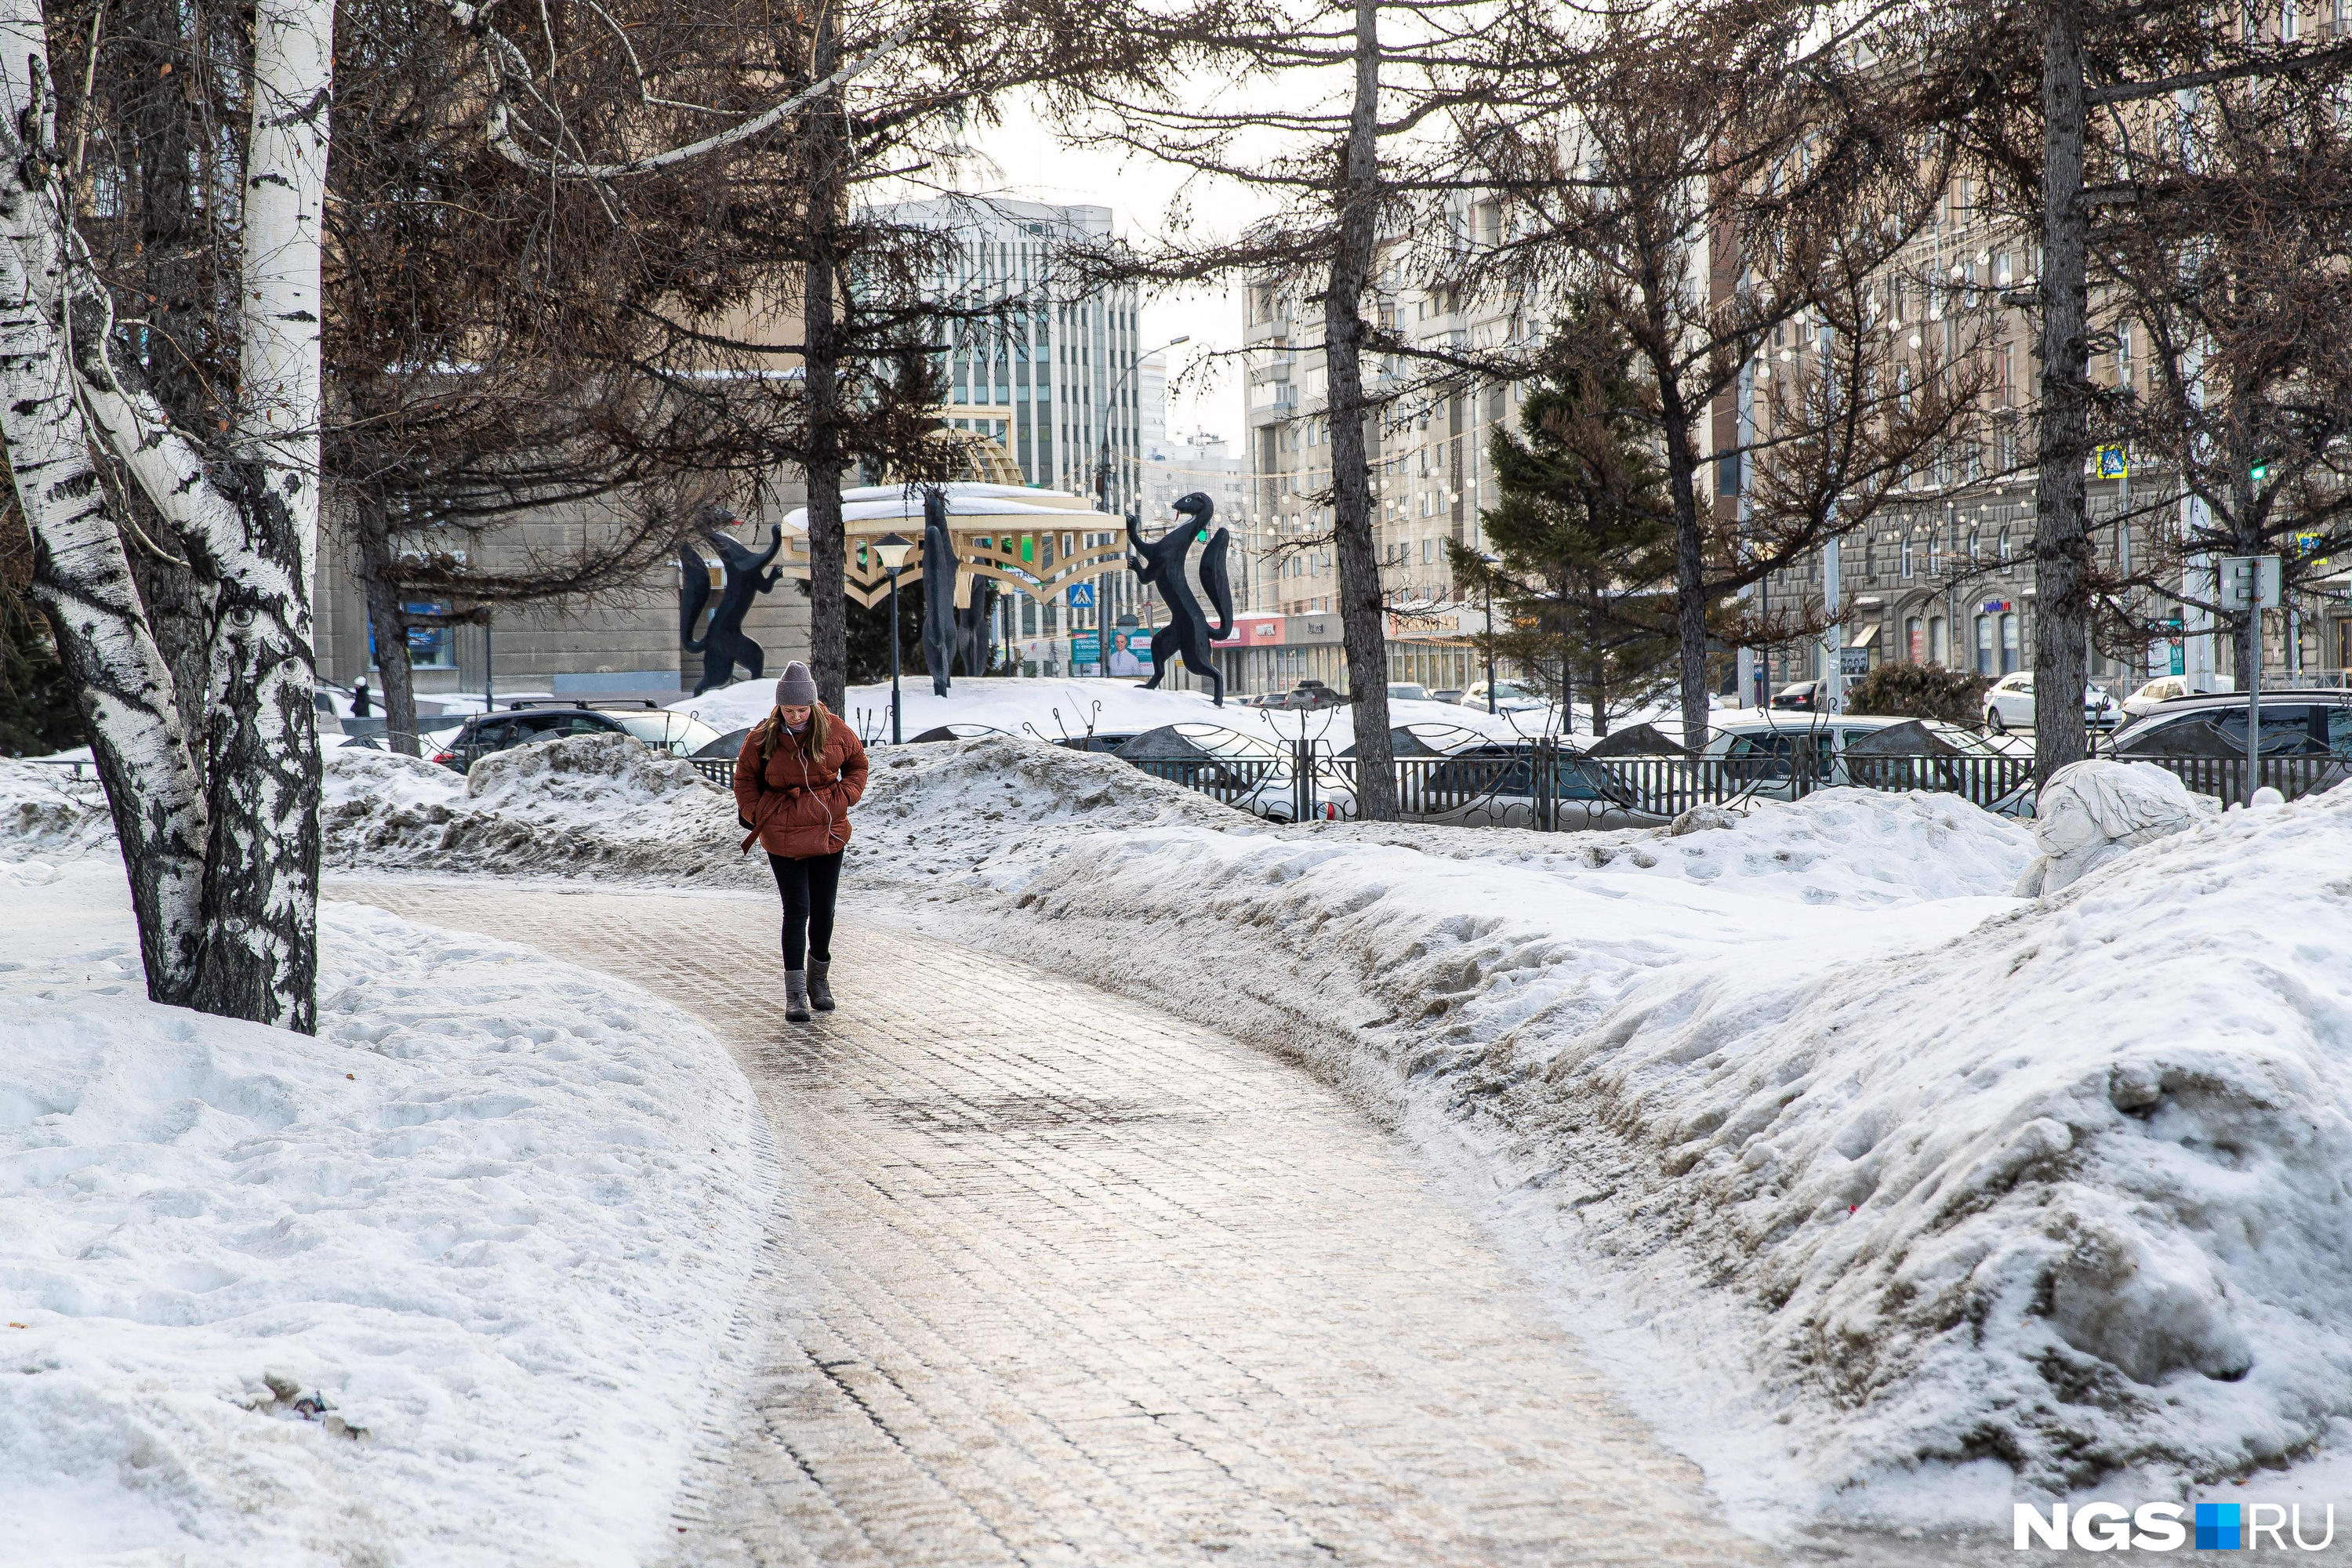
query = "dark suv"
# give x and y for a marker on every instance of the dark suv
(2316, 723)
(679, 734)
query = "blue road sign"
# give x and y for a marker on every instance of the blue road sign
(1082, 596)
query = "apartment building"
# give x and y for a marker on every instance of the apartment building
(1428, 447)
(1944, 572)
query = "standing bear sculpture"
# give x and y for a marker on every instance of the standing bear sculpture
(1161, 563)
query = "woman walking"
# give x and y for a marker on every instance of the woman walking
(800, 772)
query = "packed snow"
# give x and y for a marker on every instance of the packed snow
(600, 806)
(1923, 1192)
(441, 1286)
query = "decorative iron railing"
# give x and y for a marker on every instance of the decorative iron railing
(1543, 785)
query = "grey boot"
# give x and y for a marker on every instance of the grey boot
(820, 994)
(796, 997)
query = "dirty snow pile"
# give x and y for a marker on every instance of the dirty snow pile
(441, 1286)
(1913, 1191)
(933, 813)
(588, 805)
(45, 811)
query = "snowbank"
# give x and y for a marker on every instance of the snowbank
(44, 810)
(945, 808)
(1050, 709)
(1929, 1179)
(441, 1286)
(589, 805)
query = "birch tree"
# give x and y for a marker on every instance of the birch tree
(214, 795)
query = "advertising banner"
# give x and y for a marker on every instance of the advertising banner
(1130, 651)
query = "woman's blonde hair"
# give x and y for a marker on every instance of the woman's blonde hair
(811, 740)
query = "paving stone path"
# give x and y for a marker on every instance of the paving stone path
(1055, 1278)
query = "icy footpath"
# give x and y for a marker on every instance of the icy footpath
(441, 1286)
(1904, 1192)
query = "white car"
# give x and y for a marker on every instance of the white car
(2010, 705)
(1510, 696)
(2166, 688)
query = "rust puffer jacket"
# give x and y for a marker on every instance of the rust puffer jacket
(798, 807)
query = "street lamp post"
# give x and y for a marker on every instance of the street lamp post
(1102, 463)
(892, 553)
(1486, 579)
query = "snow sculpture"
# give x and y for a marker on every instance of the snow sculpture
(2092, 811)
(1162, 561)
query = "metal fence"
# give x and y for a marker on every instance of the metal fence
(1541, 784)
(2225, 778)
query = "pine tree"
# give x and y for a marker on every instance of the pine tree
(1583, 535)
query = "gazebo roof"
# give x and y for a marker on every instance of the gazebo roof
(881, 509)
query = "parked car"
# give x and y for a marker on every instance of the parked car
(1305, 696)
(2295, 723)
(678, 733)
(2156, 693)
(1799, 696)
(1510, 696)
(1407, 691)
(1446, 694)
(1768, 743)
(2010, 705)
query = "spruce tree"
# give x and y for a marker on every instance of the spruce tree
(1583, 572)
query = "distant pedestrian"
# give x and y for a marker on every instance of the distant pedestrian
(360, 698)
(799, 772)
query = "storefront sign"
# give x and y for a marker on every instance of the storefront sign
(1254, 631)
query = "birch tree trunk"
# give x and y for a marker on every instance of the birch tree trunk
(1363, 616)
(219, 830)
(262, 900)
(82, 577)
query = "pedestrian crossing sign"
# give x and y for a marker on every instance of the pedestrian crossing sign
(2115, 463)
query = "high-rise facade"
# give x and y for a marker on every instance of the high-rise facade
(1053, 379)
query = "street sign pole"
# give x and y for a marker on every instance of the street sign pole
(1832, 697)
(2252, 584)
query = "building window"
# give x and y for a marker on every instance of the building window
(1914, 640)
(2009, 645)
(1986, 654)
(1938, 643)
(1906, 552)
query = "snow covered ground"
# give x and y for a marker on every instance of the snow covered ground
(1889, 1195)
(441, 1286)
(1886, 1194)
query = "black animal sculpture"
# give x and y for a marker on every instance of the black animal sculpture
(723, 645)
(941, 630)
(1162, 562)
(973, 643)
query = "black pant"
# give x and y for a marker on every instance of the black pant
(808, 887)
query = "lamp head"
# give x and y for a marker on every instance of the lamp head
(892, 551)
